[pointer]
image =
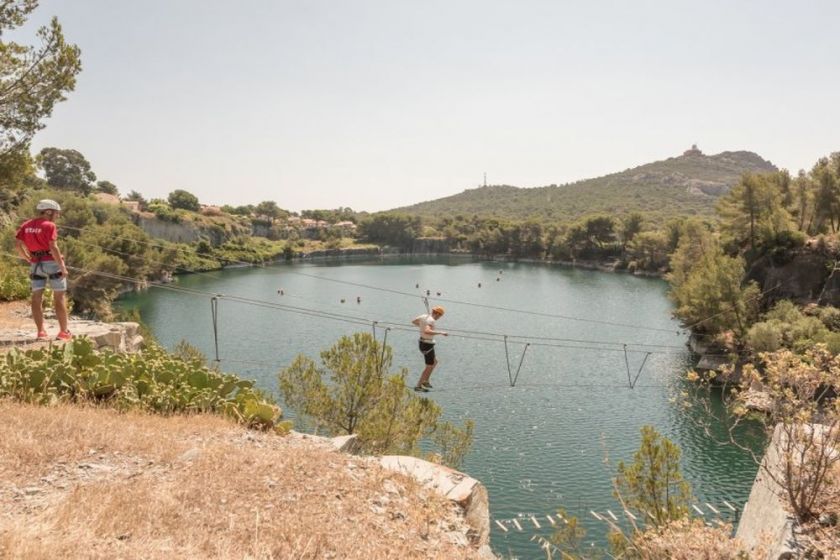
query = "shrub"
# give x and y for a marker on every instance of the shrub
(766, 336)
(14, 282)
(152, 380)
(353, 393)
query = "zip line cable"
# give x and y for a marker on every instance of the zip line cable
(408, 294)
(446, 300)
(485, 306)
(351, 319)
(425, 300)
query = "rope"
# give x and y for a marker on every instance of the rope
(487, 306)
(425, 298)
(382, 355)
(632, 385)
(214, 311)
(558, 316)
(521, 359)
(507, 362)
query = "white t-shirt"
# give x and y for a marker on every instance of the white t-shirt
(422, 321)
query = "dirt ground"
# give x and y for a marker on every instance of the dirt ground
(95, 483)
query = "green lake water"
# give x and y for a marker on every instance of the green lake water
(551, 441)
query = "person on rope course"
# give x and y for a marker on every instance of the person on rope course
(36, 242)
(426, 324)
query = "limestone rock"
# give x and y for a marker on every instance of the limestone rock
(464, 490)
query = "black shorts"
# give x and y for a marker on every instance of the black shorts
(428, 350)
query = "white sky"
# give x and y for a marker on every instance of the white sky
(374, 104)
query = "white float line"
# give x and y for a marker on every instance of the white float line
(711, 507)
(536, 523)
(551, 520)
(698, 510)
(501, 526)
(630, 515)
(596, 516)
(612, 515)
(516, 523)
(727, 504)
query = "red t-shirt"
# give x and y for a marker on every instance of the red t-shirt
(36, 235)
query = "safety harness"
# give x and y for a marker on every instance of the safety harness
(39, 261)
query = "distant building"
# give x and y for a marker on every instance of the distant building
(346, 227)
(106, 198)
(694, 151)
(132, 205)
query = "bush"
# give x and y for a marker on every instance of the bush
(766, 336)
(181, 199)
(153, 380)
(14, 282)
(354, 393)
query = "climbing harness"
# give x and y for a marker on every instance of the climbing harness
(39, 263)
(512, 378)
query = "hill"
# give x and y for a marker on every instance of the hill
(688, 184)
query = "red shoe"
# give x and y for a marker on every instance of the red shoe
(42, 335)
(64, 335)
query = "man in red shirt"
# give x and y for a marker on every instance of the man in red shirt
(36, 242)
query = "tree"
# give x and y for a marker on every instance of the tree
(652, 483)
(268, 209)
(181, 199)
(753, 212)
(630, 226)
(32, 79)
(67, 170)
(354, 393)
(17, 172)
(391, 228)
(799, 413)
(107, 187)
(710, 296)
(826, 179)
(137, 197)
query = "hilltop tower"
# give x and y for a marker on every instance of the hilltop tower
(694, 151)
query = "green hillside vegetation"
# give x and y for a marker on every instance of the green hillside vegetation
(688, 184)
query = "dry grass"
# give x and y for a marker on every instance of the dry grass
(94, 483)
(826, 539)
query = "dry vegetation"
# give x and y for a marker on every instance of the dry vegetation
(86, 482)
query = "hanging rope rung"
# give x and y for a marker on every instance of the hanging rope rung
(521, 359)
(214, 311)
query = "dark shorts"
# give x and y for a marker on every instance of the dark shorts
(428, 350)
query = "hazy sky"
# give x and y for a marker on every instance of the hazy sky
(377, 104)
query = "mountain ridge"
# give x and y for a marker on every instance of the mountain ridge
(686, 184)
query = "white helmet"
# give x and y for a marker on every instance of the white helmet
(48, 204)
